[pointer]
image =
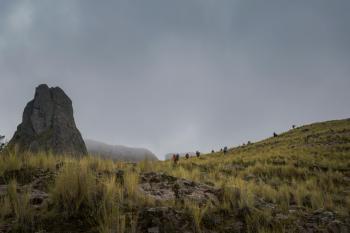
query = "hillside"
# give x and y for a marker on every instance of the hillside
(308, 168)
(117, 152)
(298, 181)
(322, 146)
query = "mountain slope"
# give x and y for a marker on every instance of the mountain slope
(298, 181)
(325, 145)
(117, 152)
(288, 182)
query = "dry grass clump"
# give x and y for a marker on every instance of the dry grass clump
(259, 221)
(131, 180)
(12, 161)
(75, 189)
(111, 217)
(20, 205)
(145, 166)
(132, 191)
(15, 205)
(191, 174)
(100, 165)
(230, 199)
(40, 160)
(283, 197)
(87, 189)
(9, 161)
(197, 212)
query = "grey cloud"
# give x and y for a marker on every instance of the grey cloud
(179, 75)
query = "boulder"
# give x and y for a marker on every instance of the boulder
(48, 124)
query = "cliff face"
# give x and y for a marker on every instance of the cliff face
(48, 124)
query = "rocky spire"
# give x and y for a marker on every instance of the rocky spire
(48, 124)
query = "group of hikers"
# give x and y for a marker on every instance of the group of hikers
(176, 157)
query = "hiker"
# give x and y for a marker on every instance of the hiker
(293, 126)
(177, 157)
(225, 149)
(187, 155)
(212, 151)
(221, 150)
(2, 145)
(274, 134)
(174, 159)
(198, 154)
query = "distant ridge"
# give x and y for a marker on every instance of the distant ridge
(118, 152)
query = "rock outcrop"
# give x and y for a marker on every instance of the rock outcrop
(48, 124)
(163, 187)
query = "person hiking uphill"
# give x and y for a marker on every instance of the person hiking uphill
(176, 158)
(225, 149)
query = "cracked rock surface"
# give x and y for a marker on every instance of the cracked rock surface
(48, 124)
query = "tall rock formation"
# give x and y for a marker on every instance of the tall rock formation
(48, 124)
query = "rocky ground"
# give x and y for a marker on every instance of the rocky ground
(166, 218)
(164, 187)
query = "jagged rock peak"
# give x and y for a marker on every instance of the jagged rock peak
(48, 124)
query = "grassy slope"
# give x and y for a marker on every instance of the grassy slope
(308, 150)
(292, 175)
(306, 168)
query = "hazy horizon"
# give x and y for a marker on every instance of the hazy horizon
(178, 76)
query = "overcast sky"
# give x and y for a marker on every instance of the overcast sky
(178, 75)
